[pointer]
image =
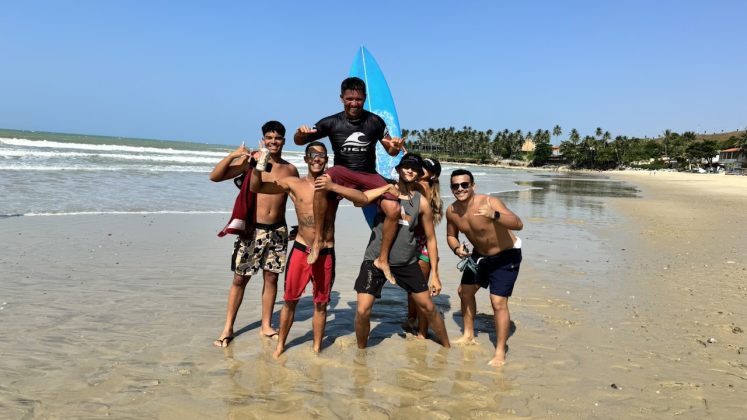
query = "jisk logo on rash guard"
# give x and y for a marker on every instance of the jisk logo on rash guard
(354, 143)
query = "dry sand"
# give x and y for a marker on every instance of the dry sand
(113, 316)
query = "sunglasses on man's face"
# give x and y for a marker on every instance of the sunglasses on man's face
(314, 155)
(463, 185)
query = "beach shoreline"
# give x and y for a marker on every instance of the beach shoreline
(114, 315)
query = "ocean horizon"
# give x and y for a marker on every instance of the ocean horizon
(49, 174)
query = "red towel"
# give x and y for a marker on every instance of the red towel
(244, 214)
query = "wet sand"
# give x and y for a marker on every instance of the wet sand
(636, 311)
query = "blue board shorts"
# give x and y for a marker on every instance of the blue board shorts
(499, 271)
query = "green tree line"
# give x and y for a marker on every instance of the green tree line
(598, 150)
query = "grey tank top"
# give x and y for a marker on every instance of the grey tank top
(404, 249)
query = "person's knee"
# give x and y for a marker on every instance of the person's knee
(363, 312)
(291, 304)
(499, 304)
(390, 208)
(239, 280)
(320, 307)
(429, 311)
(466, 291)
(271, 277)
(426, 306)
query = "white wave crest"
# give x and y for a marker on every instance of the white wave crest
(36, 168)
(15, 153)
(98, 213)
(103, 147)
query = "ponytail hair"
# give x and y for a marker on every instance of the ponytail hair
(437, 204)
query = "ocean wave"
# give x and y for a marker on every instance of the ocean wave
(104, 147)
(48, 168)
(128, 212)
(114, 212)
(14, 153)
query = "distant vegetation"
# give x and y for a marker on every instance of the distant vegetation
(594, 151)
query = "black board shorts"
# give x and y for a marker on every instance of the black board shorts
(499, 271)
(371, 280)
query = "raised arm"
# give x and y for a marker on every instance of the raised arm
(392, 145)
(304, 134)
(494, 209)
(273, 186)
(231, 166)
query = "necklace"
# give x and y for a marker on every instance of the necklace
(408, 192)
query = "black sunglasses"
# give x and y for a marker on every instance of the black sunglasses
(464, 185)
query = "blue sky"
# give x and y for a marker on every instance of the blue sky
(215, 71)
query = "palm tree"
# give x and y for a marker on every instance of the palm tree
(667, 139)
(557, 131)
(574, 137)
(569, 151)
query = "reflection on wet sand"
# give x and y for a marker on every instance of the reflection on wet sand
(84, 337)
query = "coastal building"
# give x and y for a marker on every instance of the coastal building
(528, 145)
(734, 159)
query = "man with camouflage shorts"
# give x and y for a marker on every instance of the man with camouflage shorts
(263, 247)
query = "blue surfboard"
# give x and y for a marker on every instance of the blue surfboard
(379, 101)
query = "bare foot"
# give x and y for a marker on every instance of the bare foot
(269, 334)
(223, 342)
(498, 360)
(317, 349)
(465, 340)
(313, 253)
(384, 266)
(278, 351)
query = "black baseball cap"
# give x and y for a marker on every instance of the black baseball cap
(433, 166)
(411, 160)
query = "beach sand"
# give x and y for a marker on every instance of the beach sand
(639, 313)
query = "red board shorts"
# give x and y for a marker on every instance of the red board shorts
(298, 273)
(360, 181)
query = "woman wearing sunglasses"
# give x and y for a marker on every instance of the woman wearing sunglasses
(430, 187)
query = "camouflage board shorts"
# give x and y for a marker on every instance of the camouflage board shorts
(265, 249)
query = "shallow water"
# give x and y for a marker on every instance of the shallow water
(113, 315)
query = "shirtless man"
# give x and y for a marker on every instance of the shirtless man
(403, 260)
(353, 135)
(264, 246)
(299, 272)
(495, 262)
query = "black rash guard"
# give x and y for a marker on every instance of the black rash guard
(353, 141)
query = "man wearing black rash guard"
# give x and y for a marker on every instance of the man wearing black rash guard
(353, 135)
